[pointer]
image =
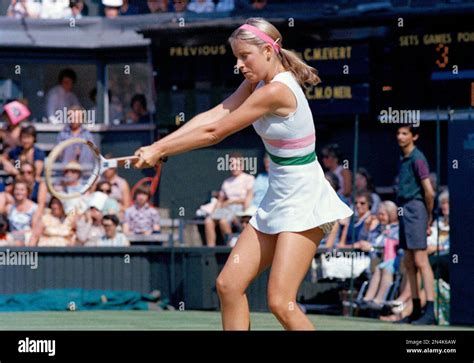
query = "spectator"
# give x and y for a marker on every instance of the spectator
(385, 234)
(157, 6)
(38, 187)
(6, 239)
(201, 6)
(18, 9)
(180, 6)
(111, 206)
(27, 152)
(443, 221)
(71, 181)
(364, 181)
(235, 196)
(5, 200)
(115, 107)
(112, 238)
(362, 218)
(23, 214)
(61, 95)
(15, 113)
(334, 181)
(128, 9)
(332, 158)
(74, 129)
(141, 217)
(120, 188)
(89, 228)
(112, 8)
(416, 197)
(54, 9)
(260, 185)
(76, 7)
(139, 113)
(258, 4)
(225, 5)
(55, 228)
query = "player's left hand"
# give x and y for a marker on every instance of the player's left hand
(149, 156)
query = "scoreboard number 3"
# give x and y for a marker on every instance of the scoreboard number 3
(443, 59)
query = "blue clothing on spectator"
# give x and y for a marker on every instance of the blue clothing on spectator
(358, 226)
(38, 154)
(34, 192)
(260, 188)
(70, 153)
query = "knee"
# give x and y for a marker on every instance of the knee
(225, 286)
(280, 306)
(209, 221)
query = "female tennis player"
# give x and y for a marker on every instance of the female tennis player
(300, 206)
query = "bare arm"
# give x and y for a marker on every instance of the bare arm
(347, 177)
(429, 200)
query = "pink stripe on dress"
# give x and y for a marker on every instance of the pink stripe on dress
(292, 143)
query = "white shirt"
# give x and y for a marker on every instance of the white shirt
(118, 241)
(57, 98)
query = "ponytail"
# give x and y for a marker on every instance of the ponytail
(305, 75)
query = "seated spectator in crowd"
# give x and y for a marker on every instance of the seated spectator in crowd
(128, 9)
(443, 222)
(75, 9)
(180, 6)
(157, 6)
(235, 196)
(260, 185)
(225, 5)
(6, 239)
(38, 188)
(334, 181)
(258, 4)
(75, 129)
(364, 182)
(141, 217)
(244, 219)
(55, 228)
(201, 6)
(112, 8)
(385, 235)
(112, 238)
(5, 200)
(332, 160)
(22, 214)
(72, 178)
(61, 95)
(14, 114)
(89, 228)
(18, 9)
(111, 206)
(54, 9)
(26, 152)
(7, 186)
(120, 188)
(139, 113)
(362, 219)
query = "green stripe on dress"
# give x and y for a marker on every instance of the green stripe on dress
(295, 160)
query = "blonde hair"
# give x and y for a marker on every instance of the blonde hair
(391, 209)
(304, 74)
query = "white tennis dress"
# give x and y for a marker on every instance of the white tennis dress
(298, 197)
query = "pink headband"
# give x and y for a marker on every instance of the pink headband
(262, 36)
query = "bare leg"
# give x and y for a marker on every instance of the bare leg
(386, 281)
(252, 254)
(373, 285)
(210, 230)
(293, 255)
(411, 273)
(423, 265)
(225, 228)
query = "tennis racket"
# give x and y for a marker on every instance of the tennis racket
(75, 165)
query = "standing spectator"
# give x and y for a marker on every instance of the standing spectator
(15, 113)
(112, 238)
(23, 214)
(416, 197)
(364, 182)
(235, 196)
(37, 187)
(74, 129)
(332, 158)
(55, 228)
(157, 6)
(112, 8)
(128, 9)
(27, 152)
(260, 185)
(180, 6)
(201, 6)
(141, 217)
(139, 113)
(120, 188)
(61, 96)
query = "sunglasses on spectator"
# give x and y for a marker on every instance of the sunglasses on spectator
(26, 171)
(361, 203)
(106, 191)
(108, 224)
